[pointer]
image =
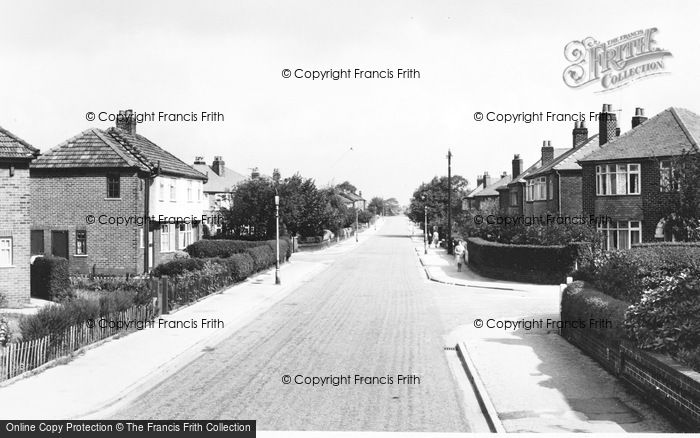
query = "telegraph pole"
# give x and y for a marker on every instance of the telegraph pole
(449, 202)
(278, 280)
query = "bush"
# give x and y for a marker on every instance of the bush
(55, 320)
(262, 256)
(219, 248)
(666, 318)
(285, 248)
(238, 266)
(50, 279)
(581, 303)
(177, 267)
(138, 289)
(626, 274)
(539, 264)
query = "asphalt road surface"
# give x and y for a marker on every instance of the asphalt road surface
(370, 314)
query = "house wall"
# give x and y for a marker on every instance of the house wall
(15, 222)
(61, 200)
(569, 184)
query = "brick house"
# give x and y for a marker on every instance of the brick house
(353, 200)
(555, 187)
(511, 197)
(628, 178)
(91, 193)
(15, 156)
(218, 189)
(485, 195)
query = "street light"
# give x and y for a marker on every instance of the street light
(277, 240)
(449, 202)
(425, 231)
(356, 223)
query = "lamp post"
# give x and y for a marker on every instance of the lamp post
(277, 240)
(449, 202)
(425, 231)
(356, 223)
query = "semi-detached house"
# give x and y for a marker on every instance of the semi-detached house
(629, 178)
(91, 193)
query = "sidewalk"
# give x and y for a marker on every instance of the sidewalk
(534, 380)
(442, 268)
(123, 368)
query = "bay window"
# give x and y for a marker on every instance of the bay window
(620, 234)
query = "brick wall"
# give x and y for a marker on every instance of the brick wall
(15, 223)
(655, 203)
(588, 188)
(571, 196)
(61, 200)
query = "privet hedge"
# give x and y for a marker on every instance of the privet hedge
(532, 263)
(50, 278)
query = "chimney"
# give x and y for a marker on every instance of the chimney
(479, 180)
(199, 160)
(580, 133)
(517, 165)
(218, 165)
(126, 121)
(255, 174)
(638, 118)
(607, 125)
(504, 174)
(487, 179)
(547, 152)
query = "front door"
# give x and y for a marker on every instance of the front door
(59, 244)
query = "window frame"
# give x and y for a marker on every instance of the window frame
(172, 190)
(166, 237)
(609, 175)
(612, 241)
(78, 240)
(184, 235)
(9, 249)
(111, 185)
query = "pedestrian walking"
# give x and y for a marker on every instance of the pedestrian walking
(436, 237)
(459, 255)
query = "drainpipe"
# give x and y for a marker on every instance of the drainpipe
(558, 190)
(146, 222)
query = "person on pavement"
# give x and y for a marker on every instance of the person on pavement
(436, 237)
(459, 255)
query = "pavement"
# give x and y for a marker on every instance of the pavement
(124, 367)
(532, 377)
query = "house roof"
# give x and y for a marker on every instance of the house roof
(13, 147)
(490, 190)
(114, 148)
(216, 183)
(668, 133)
(533, 168)
(568, 160)
(352, 196)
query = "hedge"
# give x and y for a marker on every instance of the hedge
(581, 303)
(55, 320)
(177, 267)
(238, 266)
(626, 274)
(262, 256)
(208, 248)
(50, 278)
(535, 263)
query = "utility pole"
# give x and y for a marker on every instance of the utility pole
(278, 280)
(357, 228)
(449, 202)
(425, 231)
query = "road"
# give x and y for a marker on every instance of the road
(371, 313)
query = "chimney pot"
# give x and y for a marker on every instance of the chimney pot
(126, 121)
(547, 152)
(638, 118)
(218, 165)
(579, 134)
(607, 125)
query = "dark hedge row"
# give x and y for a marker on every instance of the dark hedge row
(531, 263)
(50, 278)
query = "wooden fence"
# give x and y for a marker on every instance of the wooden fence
(19, 357)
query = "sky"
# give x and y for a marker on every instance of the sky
(65, 59)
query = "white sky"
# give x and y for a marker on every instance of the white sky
(63, 59)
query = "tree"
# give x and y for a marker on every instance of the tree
(684, 222)
(253, 212)
(433, 194)
(376, 205)
(347, 187)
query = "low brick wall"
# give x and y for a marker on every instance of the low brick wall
(672, 388)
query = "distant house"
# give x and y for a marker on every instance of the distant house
(353, 200)
(485, 195)
(629, 178)
(15, 156)
(555, 187)
(218, 189)
(91, 193)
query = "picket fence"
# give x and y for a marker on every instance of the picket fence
(19, 357)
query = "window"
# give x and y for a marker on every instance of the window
(617, 179)
(185, 235)
(620, 234)
(173, 194)
(189, 191)
(667, 182)
(167, 233)
(513, 199)
(37, 242)
(550, 188)
(113, 187)
(199, 191)
(80, 242)
(536, 189)
(5, 251)
(161, 191)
